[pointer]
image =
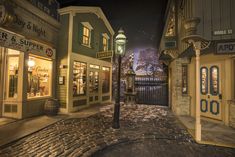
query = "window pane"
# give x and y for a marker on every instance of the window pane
(94, 81)
(214, 80)
(39, 77)
(204, 80)
(79, 78)
(13, 68)
(86, 36)
(105, 79)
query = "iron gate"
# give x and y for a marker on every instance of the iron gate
(151, 90)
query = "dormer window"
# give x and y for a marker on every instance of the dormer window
(86, 34)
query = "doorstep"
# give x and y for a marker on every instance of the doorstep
(21, 128)
(212, 133)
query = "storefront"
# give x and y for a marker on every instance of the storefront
(91, 82)
(27, 61)
(85, 52)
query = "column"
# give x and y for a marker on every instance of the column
(197, 47)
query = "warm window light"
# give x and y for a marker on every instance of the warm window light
(31, 63)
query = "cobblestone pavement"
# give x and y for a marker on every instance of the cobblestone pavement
(145, 131)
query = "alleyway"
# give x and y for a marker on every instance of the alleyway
(145, 131)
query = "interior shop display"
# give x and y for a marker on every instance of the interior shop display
(39, 77)
(79, 78)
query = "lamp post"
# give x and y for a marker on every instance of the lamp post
(120, 46)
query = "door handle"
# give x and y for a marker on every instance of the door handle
(220, 96)
(208, 96)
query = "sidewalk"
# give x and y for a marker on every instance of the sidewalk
(12, 130)
(20, 128)
(212, 133)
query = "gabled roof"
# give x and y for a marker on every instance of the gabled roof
(82, 9)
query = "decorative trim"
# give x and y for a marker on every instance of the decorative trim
(211, 107)
(106, 35)
(201, 103)
(87, 25)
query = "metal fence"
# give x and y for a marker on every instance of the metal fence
(151, 90)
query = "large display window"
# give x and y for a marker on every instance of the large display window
(12, 73)
(39, 77)
(105, 79)
(79, 78)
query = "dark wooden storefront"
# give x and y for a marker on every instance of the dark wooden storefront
(151, 90)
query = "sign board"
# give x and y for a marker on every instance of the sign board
(223, 32)
(170, 44)
(226, 48)
(104, 54)
(17, 42)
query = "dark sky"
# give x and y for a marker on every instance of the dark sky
(142, 20)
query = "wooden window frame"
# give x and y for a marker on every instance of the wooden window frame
(105, 46)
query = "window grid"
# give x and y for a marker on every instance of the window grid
(105, 44)
(86, 36)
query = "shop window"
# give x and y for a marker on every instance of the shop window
(204, 80)
(105, 79)
(105, 44)
(79, 78)
(94, 82)
(86, 36)
(94, 66)
(12, 71)
(184, 79)
(39, 77)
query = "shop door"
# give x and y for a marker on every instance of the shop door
(93, 86)
(211, 96)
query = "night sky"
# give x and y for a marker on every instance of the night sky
(142, 20)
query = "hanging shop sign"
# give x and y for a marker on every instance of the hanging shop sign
(226, 48)
(17, 42)
(105, 54)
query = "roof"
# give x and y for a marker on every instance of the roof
(82, 9)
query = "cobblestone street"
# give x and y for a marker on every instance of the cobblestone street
(145, 131)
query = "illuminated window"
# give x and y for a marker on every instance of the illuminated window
(94, 82)
(12, 73)
(105, 44)
(39, 77)
(204, 80)
(86, 36)
(184, 79)
(214, 83)
(105, 79)
(79, 78)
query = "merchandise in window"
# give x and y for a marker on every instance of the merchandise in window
(86, 36)
(105, 79)
(184, 79)
(94, 81)
(204, 80)
(39, 77)
(79, 78)
(13, 69)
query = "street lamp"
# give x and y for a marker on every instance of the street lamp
(120, 46)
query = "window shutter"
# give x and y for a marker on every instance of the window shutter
(101, 42)
(92, 39)
(80, 33)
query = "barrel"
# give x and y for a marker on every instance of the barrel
(51, 107)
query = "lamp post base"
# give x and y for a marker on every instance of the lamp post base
(116, 124)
